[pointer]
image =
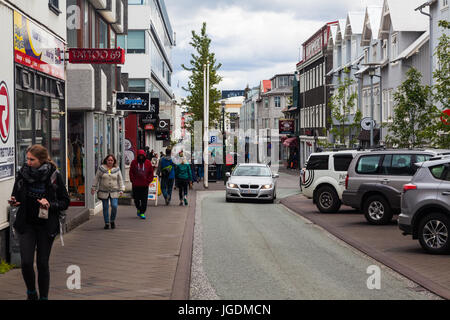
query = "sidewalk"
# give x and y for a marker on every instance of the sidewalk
(383, 243)
(139, 260)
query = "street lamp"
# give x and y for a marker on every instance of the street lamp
(223, 141)
(372, 67)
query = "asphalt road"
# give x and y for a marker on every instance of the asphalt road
(248, 251)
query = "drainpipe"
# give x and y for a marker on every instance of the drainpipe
(420, 9)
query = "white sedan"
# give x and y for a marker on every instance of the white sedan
(251, 181)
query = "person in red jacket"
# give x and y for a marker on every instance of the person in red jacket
(141, 175)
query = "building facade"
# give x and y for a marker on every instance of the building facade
(32, 90)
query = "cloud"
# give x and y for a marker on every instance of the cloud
(254, 40)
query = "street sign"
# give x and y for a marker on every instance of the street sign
(286, 126)
(97, 56)
(133, 101)
(366, 123)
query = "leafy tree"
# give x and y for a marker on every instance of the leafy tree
(414, 114)
(441, 89)
(194, 101)
(342, 104)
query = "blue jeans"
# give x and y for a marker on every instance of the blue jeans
(167, 187)
(114, 205)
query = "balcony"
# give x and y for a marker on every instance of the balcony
(110, 12)
(118, 26)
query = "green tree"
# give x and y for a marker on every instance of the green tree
(441, 89)
(414, 114)
(194, 101)
(342, 105)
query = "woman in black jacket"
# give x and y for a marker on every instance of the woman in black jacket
(41, 195)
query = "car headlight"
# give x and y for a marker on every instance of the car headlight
(267, 186)
(232, 185)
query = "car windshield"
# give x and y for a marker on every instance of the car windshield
(252, 171)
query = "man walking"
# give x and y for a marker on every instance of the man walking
(166, 172)
(141, 175)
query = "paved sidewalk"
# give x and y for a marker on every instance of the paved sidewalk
(383, 243)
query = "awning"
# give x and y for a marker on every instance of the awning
(414, 47)
(364, 135)
(290, 142)
(358, 60)
(362, 70)
(331, 72)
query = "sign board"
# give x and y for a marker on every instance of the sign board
(97, 56)
(133, 101)
(366, 123)
(286, 126)
(149, 127)
(153, 190)
(152, 116)
(446, 120)
(36, 48)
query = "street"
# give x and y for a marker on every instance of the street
(265, 251)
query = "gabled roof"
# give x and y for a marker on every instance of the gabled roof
(354, 23)
(371, 26)
(333, 35)
(403, 16)
(341, 29)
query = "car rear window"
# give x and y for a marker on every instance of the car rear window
(368, 164)
(440, 172)
(317, 163)
(342, 162)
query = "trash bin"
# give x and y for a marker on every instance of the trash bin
(14, 244)
(212, 173)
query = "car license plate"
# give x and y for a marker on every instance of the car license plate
(249, 191)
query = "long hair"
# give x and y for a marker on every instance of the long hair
(112, 156)
(41, 153)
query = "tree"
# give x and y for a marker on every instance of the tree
(342, 105)
(194, 101)
(414, 114)
(441, 89)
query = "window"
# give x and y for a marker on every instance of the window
(342, 162)
(136, 41)
(368, 164)
(401, 165)
(374, 53)
(317, 163)
(136, 85)
(394, 46)
(277, 102)
(444, 4)
(103, 34)
(366, 56)
(384, 49)
(54, 6)
(266, 102)
(136, 2)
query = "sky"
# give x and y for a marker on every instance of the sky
(253, 39)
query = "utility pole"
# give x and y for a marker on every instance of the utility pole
(206, 121)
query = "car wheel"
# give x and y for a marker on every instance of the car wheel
(377, 210)
(327, 200)
(433, 233)
(275, 194)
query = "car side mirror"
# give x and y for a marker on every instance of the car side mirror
(276, 175)
(228, 174)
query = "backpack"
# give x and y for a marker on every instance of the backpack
(165, 172)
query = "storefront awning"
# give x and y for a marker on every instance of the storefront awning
(290, 142)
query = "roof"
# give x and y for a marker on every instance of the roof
(414, 47)
(266, 85)
(341, 28)
(355, 20)
(403, 16)
(372, 22)
(333, 33)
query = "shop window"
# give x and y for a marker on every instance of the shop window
(103, 35)
(76, 159)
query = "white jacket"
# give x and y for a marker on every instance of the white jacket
(108, 183)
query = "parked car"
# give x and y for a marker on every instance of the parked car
(425, 206)
(251, 181)
(375, 180)
(323, 179)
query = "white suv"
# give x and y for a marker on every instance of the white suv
(323, 180)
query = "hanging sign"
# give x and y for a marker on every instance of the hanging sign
(97, 56)
(152, 116)
(133, 101)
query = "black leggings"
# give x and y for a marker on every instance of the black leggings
(182, 186)
(36, 238)
(140, 195)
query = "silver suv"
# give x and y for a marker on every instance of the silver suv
(375, 181)
(425, 206)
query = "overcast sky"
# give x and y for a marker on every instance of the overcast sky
(253, 39)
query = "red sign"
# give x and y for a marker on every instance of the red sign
(446, 120)
(97, 56)
(4, 112)
(149, 127)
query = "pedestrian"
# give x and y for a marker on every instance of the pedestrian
(155, 161)
(166, 172)
(183, 177)
(40, 195)
(148, 154)
(141, 175)
(108, 183)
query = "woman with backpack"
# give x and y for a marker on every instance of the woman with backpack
(183, 176)
(166, 172)
(41, 195)
(109, 184)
